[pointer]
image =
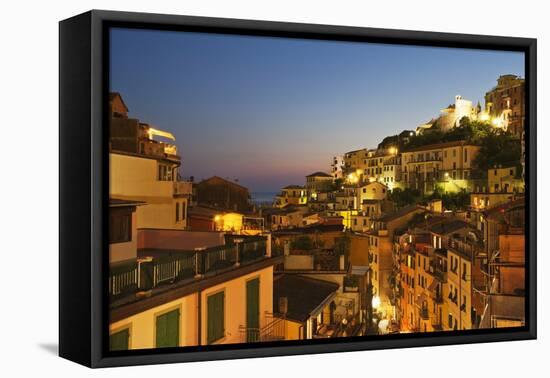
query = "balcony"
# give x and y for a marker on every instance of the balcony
(170, 267)
(351, 284)
(183, 188)
(274, 330)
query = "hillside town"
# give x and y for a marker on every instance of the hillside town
(423, 231)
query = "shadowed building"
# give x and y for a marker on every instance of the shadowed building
(218, 192)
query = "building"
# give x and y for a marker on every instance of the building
(205, 218)
(505, 104)
(221, 193)
(304, 304)
(291, 195)
(177, 296)
(370, 191)
(447, 165)
(452, 114)
(145, 170)
(463, 249)
(337, 167)
(318, 182)
(292, 216)
(503, 185)
(381, 236)
(310, 255)
(122, 230)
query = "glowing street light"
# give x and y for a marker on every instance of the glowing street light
(375, 302)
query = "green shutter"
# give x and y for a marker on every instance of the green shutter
(253, 310)
(168, 329)
(119, 340)
(215, 316)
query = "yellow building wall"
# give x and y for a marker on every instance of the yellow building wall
(135, 178)
(125, 251)
(231, 222)
(235, 304)
(294, 330)
(143, 325)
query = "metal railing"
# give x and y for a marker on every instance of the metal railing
(148, 273)
(123, 278)
(274, 330)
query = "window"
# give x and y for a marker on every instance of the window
(120, 227)
(164, 172)
(120, 340)
(253, 309)
(454, 152)
(215, 314)
(177, 211)
(183, 210)
(168, 329)
(465, 155)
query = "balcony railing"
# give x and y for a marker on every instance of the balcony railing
(123, 279)
(147, 273)
(274, 330)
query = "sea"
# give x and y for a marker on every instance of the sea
(263, 198)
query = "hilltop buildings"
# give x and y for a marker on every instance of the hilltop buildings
(342, 255)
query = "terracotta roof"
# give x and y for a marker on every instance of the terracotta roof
(222, 179)
(113, 95)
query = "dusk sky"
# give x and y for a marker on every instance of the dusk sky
(269, 111)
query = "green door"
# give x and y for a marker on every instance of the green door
(253, 310)
(168, 329)
(119, 340)
(216, 329)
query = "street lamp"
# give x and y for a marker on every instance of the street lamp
(375, 302)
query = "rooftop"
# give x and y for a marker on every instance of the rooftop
(117, 202)
(448, 226)
(306, 296)
(388, 217)
(319, 174)
(438, 146)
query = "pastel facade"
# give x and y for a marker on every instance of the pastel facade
(205, 305)
(291, 195)
(447, 165)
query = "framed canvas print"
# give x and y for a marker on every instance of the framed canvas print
(233, 188)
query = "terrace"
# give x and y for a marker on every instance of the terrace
(163, 269)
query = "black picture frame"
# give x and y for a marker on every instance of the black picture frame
(83, 182)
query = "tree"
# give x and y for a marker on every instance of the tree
(404, 197)
(498, 149)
